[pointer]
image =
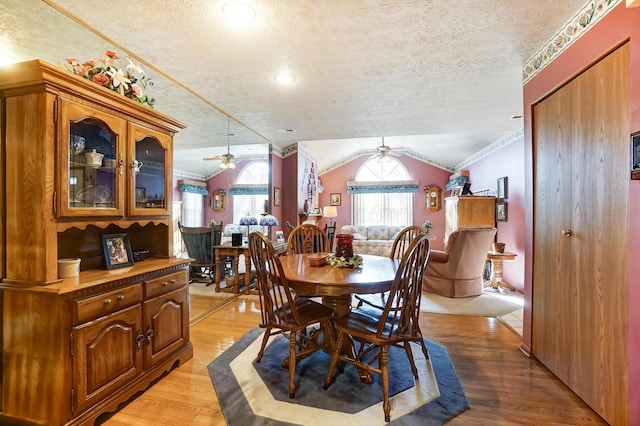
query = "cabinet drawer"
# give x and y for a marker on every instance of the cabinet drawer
(165, 283)
(106, 303)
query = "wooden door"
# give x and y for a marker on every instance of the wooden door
(580, 279)
(553, 304)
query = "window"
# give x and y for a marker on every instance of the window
(193, 209)
(254, 173)
(382, 208)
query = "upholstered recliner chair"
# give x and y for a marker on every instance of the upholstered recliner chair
(457, 271)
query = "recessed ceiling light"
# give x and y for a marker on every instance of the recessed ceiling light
(286, 131)
(516, 117)
(284, 78)
(239, 11)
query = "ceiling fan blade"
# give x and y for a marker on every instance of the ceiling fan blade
(216, 158)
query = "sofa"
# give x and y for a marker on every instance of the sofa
(373, 239)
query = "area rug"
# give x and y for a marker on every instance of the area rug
(488, 304)
(253, 393)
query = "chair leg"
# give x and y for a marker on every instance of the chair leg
(384, 369)
(334, 361)
(265, 338)
(425, 351)
(407, 349)
(292, 364)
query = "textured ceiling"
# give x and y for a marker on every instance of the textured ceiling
(440, 78)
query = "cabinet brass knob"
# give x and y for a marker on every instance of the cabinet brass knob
(150, 332)
(107, 301)
(139, 339)
(566, 232)
(121, 297)
(173, 281)
(164, 283)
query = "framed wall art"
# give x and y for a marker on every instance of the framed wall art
(117, 250)
(335, 199)
(503, 188)
(501, 212)
(276, 196)
(635, 156)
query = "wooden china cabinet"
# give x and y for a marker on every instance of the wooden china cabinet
(468, 210)
(80, 161)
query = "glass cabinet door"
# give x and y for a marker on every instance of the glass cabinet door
(91, 161)
(149, 159)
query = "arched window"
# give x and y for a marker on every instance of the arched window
(253, 204)
(383, 207)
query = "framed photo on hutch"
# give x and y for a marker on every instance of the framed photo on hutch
(117, 250)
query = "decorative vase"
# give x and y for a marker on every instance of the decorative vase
(344, 246)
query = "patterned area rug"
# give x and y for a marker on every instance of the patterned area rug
(253, 393)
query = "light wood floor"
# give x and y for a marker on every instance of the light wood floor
(502, 385)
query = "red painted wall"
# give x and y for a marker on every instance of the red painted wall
(335, 181)
(619, 25)
(507, 161)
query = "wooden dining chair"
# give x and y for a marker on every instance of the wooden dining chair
(396, 325)
(282, 313)
(199, 242)
(307, 238)
(401, 243)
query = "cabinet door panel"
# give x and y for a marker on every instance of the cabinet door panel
(90, 149)
(149, 159)
(106, 355)
(167, 317)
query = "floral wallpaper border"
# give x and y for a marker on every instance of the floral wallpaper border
(581, 22)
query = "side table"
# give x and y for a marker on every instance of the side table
(226, 249)
(497, 260)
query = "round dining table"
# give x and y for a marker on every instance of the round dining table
(336, 285)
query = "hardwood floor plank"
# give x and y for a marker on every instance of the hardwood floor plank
(502, 385)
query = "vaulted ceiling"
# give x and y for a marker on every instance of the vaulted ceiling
(440, 79)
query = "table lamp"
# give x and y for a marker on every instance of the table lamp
(330, 212)
(268, 220)
(247, 221)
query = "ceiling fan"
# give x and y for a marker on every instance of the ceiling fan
(383, 151)
(226, 159)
